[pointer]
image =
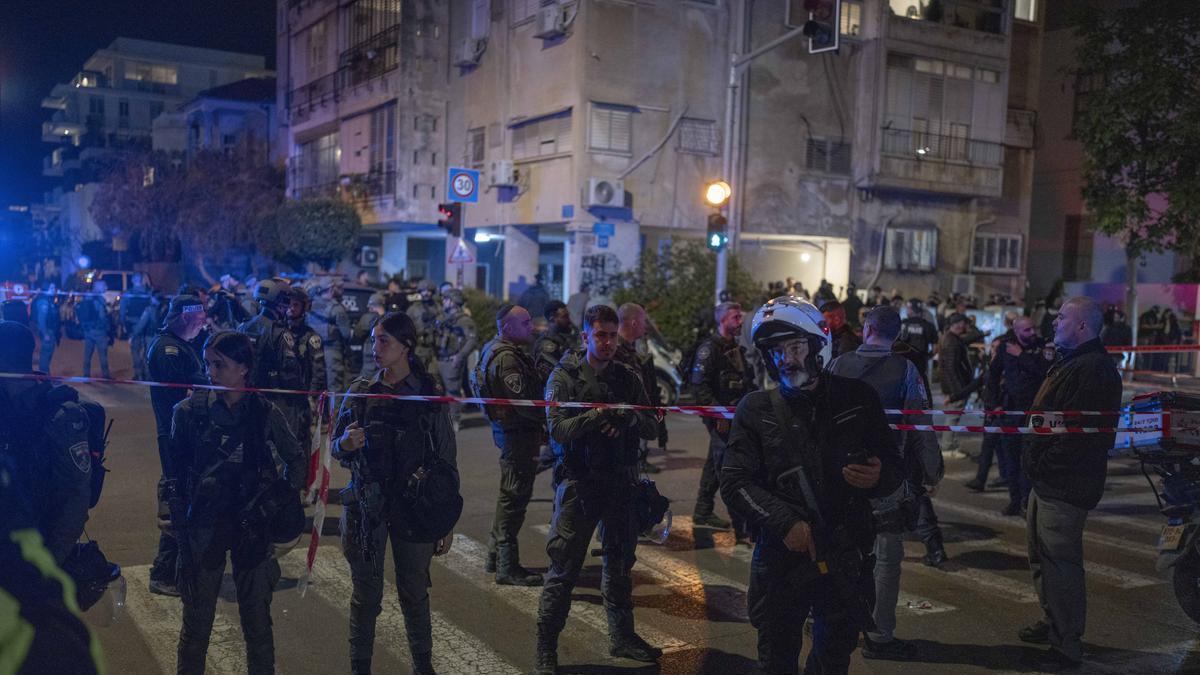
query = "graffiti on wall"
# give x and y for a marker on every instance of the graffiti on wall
(599, 271)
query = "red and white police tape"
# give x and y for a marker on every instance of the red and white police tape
(722, 412)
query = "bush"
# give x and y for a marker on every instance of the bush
(483, 308)
(321, 231)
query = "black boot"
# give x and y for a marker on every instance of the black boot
(423, 664)
(516, 575)
(360, 666)
(632, 646)
(490, 565)
(546, 661)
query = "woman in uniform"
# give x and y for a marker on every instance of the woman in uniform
(384, 441)
(227, 450)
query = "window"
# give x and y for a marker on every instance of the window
(476, 147)
(382, 146)
(96, 105)
(933, 99)
(146, 72)
(123, 108)
(548, 135)
(611, 129)
(316, 49)
(364, 19)
(1086, 84)
(523, 10)
(1025, 10)
(319, 164)
(698, 136)
(851, 19)
(425, 123)
(981, 15)
(985, 75)
(996, 253)
(828, 156)
(911, 249)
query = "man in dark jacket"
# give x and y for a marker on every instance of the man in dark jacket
(955, 371)
(1067, 472)
(1014, 376)
(803, 461)
(843, 338)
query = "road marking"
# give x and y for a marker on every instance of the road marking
(994, 517)
(454, 650)
(1111, 576)
(683, 524)
(159, 618)
(466, 559)
(1000, 585)
(1094, 515)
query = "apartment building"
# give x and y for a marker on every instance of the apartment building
(110, 105)
(235, 117)
(903, 160)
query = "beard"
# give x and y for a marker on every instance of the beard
(794, 378)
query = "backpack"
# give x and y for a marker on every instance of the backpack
(86, 312)
(478, 379)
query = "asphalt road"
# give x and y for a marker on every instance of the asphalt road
(690, 593)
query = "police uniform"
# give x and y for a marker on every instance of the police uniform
(394, 432)
(772, 434)
(455, 342)
(96, 332)
(598, 488)
(506, 371)
(426, 316)
(221, 457)
(643, 364)
(920, 334)
(132, 304)
(551, 347)
(361, 345)
(278, 364)
(721, 375)
(329, 318)
(47, 323)
(169, 359)
(44, 432)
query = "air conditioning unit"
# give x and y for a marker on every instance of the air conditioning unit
(963, 284)
(468, 51)
(368, 256)
(551, 22)
(502, 173)
(605, 192)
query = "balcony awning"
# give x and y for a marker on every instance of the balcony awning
(519, 122)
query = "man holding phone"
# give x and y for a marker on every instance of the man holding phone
(802, 462)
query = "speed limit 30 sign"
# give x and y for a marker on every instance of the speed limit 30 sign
(462, 185)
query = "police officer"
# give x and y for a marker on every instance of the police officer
(721, 375)
(919, 333)
(426, 315)
(44, 434)
(387, 435)
(48, 324)
(899, 386)
(630, 331)
(277, 359)
(455, 342)
(225, 447)
(598, 467)
(133, 302)
(1016, 373)
(506, 371)
(329, 318)
(171, 358)
(802, 461)
(311, 353)
(94, 321)
(360, 342)
(561, 336)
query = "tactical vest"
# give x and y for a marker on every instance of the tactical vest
(278, 363)
(595, 452)
(393, 430)
(481, 382)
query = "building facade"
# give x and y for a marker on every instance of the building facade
(235, 117)
(903, 160)
(111, 105)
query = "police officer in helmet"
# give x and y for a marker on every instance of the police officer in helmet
(802, 462)
(455, 342)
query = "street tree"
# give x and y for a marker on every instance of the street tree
(1138, 121)
(321, 231)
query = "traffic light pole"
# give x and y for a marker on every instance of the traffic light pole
(737, 64)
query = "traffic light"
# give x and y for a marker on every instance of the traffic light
(823, 26)
(450, 218)
(718, 231)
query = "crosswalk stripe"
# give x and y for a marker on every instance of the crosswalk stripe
(976, 579)
(1142, 498)
(159, 618)
(454, 650)
(994, 518)
(1106, 574)
(683, 525)
(1097, 516)
(466, 559)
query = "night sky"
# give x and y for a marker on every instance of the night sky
(46, 42)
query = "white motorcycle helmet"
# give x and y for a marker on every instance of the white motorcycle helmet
(788, 317)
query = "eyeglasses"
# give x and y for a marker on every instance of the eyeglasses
(793, 348)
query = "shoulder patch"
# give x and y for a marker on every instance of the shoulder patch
(514, 382)
(702, 354)
(314, 341)
(171, 350)
(81, 456)
(288, 339)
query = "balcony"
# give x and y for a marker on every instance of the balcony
(366, 187)
(371, 58)
(303, 100)
(89, 79)
(965, 25)
(54, 103)
(58, 131)
(924, 162)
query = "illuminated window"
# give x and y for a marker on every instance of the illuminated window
(996, 253)
(851, 19)
(911, 249)
(145, 72)
(1025, 10)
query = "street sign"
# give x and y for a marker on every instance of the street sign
(461, 254)
(602, 241)
(604, 229)
(462, 185)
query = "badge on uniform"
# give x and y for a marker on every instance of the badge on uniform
(514, 382)
(287, 338)
(314, 342)
(171, 350)
(81, 456)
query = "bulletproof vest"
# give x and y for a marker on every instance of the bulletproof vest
(426, 318)
(135, 303)
(451, 335)
(277, 356)
(729, 370)
(912, 333)
(231, 461)
(394, 430)
(594, 451)
(323, 319)
(304, 352)
(482, 377)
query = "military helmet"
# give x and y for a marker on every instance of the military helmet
(455, 295)
(426, 285)
(788, 317)
(273, 292)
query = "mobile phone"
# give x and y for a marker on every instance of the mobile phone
(857, 457)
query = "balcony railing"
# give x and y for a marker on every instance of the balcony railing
(364, 187)
(320, 91)
(938, 147)
(986, 16)
(371, 58)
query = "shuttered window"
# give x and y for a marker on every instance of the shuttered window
(543, 136)
(610, 129)
(828, 156)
